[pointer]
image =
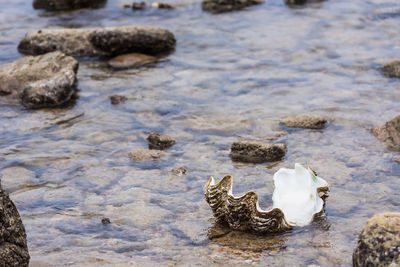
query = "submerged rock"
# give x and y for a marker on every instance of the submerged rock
(109, 41)
(179, 171)
(105, 221)
(13, 246)
(118, 99)
(138, 5)
(131, 60)
(389, 133)
(307, 121)
(392, 70)
(39, 81)
(220, 6)
(257, 153)
(56, 5)
(144, 154)
(379, 242)
(161, 142)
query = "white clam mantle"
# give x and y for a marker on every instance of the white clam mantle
(296, 194)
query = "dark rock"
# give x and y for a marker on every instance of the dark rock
(138, 5)
(220, 6)
(157, 141)
(130, 61)
(392, 70)
(13, 246)
(305, 121)
(39, 82)
(118, 99)
(144, 154)
(105, 221)
(301, 2)
(162, 5)
(379, 242)
(56, 5)
(110, 41)
(389, 133)
(257, 153)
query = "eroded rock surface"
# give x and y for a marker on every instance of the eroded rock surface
(161, 142)
(220, 6)
(13, 246)
(56, 5)
(306, 121)
(253, 152)
(110, 41)
(389, 133)
(392, 69)
(39, 81)
(144, 154)
(379, 242)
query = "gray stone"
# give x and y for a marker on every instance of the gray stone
(56, 5)
(13, 246)
(307, 121)
(392, 70)
(92, 42)
(379, 242)
(220, 6)
(131, 60)
(256, 153)
(39, 81)
(144, 154)
(389, 133)
(161, 142)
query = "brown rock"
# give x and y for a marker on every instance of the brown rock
(220, 6)
(306, 121)
(131, 60)
(157, 141)
(379, 242)
(138, 5)
(179, 171)
(105, 221)
(118, 99)
(389, 133)
(144, 154)
(56, 5)
(109, 41)
(162, 5)
(13, 247)
(392, 70)
(38, 82)
(257, 153)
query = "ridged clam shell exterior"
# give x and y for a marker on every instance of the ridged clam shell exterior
(242, 213)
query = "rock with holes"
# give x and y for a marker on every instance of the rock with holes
(220, 6)
(92, 42)
(57, 5)
(39, 81)
(13, 246)
(379, 242)
(389, 133)
(306, 121)
(161, 142)
(253, 152)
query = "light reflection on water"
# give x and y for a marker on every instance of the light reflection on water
(232, 76)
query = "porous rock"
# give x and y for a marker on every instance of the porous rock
(389, 133)
(92, 42)
(307, 121)
(39, 81)
(161, 142)
(379, 242)
(220, 6)
(13, 246)
(57, 5)
(253, 152)
(392, 70)
(144, 154)
(131, 60)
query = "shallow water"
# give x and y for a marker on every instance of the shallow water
(232, 76)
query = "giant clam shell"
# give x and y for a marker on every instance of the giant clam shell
(299, 193)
